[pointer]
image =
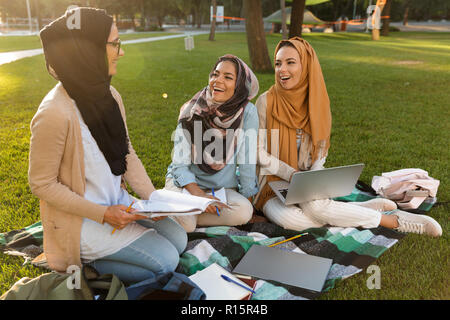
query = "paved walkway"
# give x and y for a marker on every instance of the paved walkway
(423, 26)
(6, 57)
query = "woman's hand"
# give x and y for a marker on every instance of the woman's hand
(212, 208)
(118, 217)
(195, 190)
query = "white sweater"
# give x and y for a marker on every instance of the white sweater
(269, 163)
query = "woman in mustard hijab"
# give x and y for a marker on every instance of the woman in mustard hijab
(297, 108)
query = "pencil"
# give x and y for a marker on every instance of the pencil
(294, 237)
(128, 210)
(237, 283)
(217, 209)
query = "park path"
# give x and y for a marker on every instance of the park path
(6, 57)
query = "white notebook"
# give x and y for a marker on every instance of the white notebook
(217, 288)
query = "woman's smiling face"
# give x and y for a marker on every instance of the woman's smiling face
(222, 81)
(288, 68)
(111, 50)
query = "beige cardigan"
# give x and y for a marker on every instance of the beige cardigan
(268, 163)
(56, 176)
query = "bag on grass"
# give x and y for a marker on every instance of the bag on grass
(61, 286)
(409, 188)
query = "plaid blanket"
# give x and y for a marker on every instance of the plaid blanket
(351, 249)
(26, 242)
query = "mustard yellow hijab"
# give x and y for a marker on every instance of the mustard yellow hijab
(306, 107)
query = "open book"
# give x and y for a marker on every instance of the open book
(219, 194)
(170, 203)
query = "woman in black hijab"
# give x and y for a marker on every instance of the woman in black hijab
(79, 153)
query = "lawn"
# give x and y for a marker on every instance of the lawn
(390, 107)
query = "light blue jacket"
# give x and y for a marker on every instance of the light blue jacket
(239, 173)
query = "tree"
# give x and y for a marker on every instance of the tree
(297, 10)
(283, 19)
(213, 22)
(376, 32)
(386, 13)
(405, 14)
(256, 38)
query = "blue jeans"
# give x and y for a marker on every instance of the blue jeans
(151, 255)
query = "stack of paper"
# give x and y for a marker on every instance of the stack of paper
(217, 288)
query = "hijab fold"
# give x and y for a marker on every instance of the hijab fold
(306, 106)
(77, 57)
(226, 118)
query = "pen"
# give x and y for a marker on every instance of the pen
(294, 237)
(128, 210)
(217, 209)
(231, 280)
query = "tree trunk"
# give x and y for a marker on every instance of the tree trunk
(256, 37)
(376, 32)
(213, 22)
(386, 13)
(405, 15)
(37, 9)
(198, 15)
(283, 19)
(298, 8)
(142, 8)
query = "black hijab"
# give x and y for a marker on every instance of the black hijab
(77, 54)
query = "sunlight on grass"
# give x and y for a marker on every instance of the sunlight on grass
(8, 82)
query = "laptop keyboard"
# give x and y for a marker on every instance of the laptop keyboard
(283, 192)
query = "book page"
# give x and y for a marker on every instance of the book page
(220, 194)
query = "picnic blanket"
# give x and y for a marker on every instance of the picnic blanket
(25, 242)
(351, 249)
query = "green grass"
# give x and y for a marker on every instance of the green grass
(16, 43)
(387, 114)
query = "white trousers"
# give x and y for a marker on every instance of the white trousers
(240, 213)
(318, 213)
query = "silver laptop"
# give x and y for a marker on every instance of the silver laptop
(318, 184)
(292, 268)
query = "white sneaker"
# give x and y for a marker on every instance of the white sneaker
(417, 223)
